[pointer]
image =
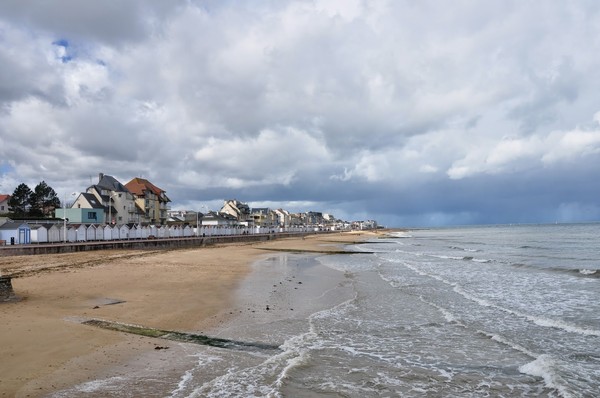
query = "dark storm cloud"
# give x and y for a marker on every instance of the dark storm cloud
(411, 113)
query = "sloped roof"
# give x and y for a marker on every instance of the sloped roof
(92, 200)
(4, 197)
(13, 225)
(110, 183)
(138, 186)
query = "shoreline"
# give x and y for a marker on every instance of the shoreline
(48, 349)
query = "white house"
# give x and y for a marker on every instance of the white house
(115, 198)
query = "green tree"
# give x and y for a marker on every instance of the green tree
(44, 200)
(20, 201)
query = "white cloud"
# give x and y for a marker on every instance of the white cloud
(323, 98)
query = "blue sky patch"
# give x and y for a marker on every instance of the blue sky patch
(66, 56)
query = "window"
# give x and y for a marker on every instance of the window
(92, 215)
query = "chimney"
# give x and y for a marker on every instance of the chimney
(100, 176)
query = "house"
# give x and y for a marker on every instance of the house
(264, 217)
(218, 219)
(81, 215)
(150, 199)
(118, 202)
(15, 233)
(4, 209)
(237, 209)
(283, 217)
(89, 201)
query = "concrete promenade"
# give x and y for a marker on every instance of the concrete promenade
(150, 243)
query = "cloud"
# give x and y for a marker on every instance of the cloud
(417, 113)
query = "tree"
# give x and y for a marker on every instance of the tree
(44, 200)
(20, 201)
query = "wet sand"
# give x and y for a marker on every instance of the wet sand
(45, 348)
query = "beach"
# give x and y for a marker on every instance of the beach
(45, 347)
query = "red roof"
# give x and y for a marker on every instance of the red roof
(137, 186)
(4, 197)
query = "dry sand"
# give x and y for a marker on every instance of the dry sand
(43, 345)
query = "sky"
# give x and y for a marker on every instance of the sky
(412, 113)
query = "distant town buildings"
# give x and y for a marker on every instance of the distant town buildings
(139, 209)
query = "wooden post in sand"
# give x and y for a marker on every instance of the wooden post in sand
(6, 290)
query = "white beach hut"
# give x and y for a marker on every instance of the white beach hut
(80, 232)
(145, 231)
(100, 232)
(71, 233)
(54, 233)
(90, 232)
(15, 233)
(39, 233)
(135, 232)
(123, 232)
(114, 232)
(153, 231)
(108, 232)
(187, 231)
(174, 232)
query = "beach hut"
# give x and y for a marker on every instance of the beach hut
(114, 232)
(71, 233)
(39, 233)
(90, 233)
(124, 232)
(108, 232)
(135, 231)
(174, 232)
(145, 231)
(80, 232)
(153, 231)
(100, 232)
(15, 233)
(54, 233)
(163, 232)
(187, 231)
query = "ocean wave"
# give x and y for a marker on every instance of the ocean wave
(464, 249)
(584, 273)
(538, 320)
(545, 366)
(399, 234)
(460, 258)
(587, 271)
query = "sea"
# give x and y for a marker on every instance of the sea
(485, 311)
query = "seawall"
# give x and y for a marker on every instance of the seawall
(154, 243)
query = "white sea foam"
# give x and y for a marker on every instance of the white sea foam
(540, 321)
(203, 361)
(108, 385)
(587, 271)
(400, 234)
(545, 367)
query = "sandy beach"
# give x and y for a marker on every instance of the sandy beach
(43, 344)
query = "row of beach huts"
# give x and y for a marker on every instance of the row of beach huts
(18, 233)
